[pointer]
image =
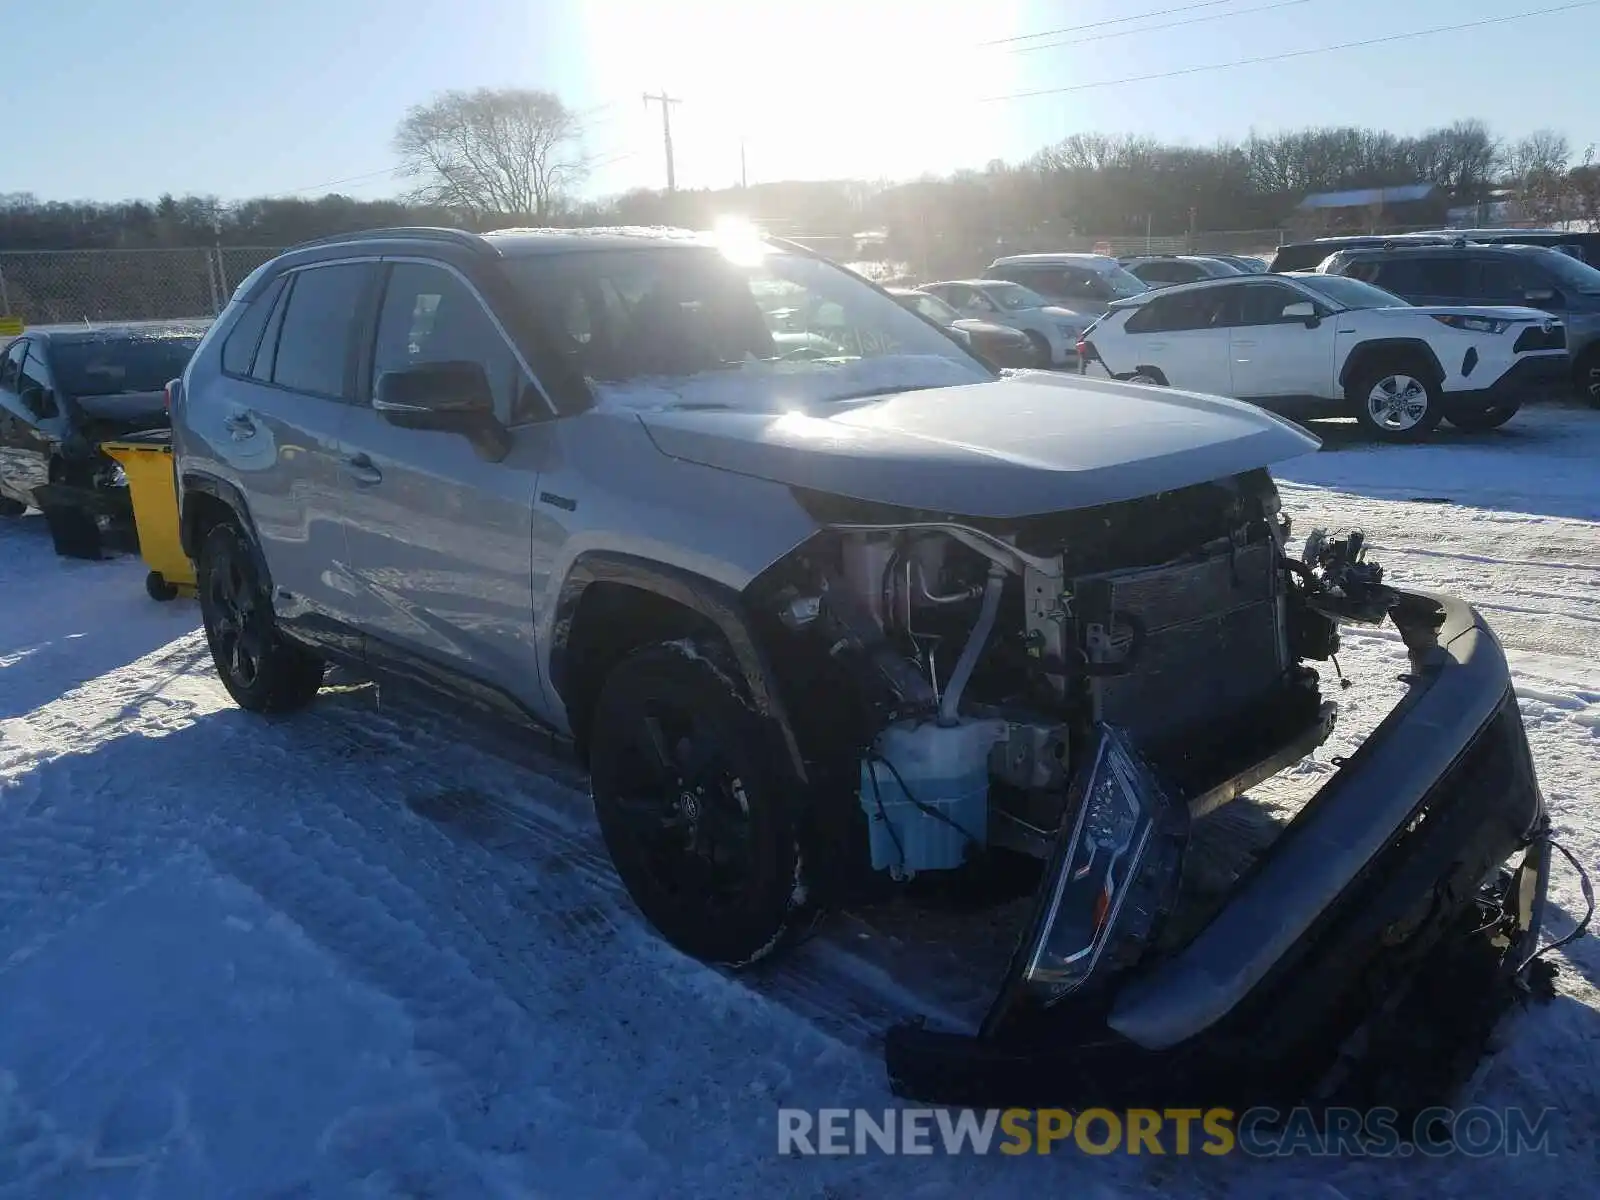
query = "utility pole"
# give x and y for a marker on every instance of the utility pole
(666, 103)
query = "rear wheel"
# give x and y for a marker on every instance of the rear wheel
(694, 801)
(1397, 402)
(1041, 349)
(262, 670)
(11, 508)
(1147, 376)
(1483, 420)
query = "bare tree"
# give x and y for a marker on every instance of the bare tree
(508, 152)
(1536, 167)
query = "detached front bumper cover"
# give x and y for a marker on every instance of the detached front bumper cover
(1371, 870)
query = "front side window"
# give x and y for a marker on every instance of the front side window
(430, 316)
(749, 330)
(318, 323)
(34, 385)
(11, 366)
(1351, 292)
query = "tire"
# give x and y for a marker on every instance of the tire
(157, 588)
(1147, 378)
(1483, 420)
(1402, 390)
(695, 801)
(1042, 358)
(11, 508)
(1586, 377)
(261, 669)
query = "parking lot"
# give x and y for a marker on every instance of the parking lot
(362, 944)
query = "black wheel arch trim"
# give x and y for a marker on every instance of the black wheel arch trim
(1363, 354)
(196, 483)
(716, 602)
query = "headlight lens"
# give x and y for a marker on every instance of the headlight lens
(1472, 324)
(1112, 877)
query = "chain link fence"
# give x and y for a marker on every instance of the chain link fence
(58, 287)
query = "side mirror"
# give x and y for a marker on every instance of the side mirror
(1303, 311)
(452, 397)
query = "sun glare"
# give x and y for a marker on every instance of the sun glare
(825, 90)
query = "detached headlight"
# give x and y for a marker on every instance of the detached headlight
(1111, 878)
(1473, 324)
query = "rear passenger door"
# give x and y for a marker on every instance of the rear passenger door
(289, 386)
(1184, 335)
(441, 538)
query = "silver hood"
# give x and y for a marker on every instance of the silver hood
(1030, 443)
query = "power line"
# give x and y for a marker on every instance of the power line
(1164, 12)
(1266, 58)
(1120, 33)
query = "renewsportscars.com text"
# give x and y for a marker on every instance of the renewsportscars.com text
(1257, 1132)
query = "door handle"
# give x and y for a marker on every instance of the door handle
(359, 467)
(239, 425)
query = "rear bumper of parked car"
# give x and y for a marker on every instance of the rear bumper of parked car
(1528, 379)
(1375, 874)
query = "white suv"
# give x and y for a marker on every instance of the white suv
(1307, 345)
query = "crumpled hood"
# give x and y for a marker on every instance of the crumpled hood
(1031, 443)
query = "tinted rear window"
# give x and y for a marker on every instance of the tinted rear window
(112, 365)
(314, 342)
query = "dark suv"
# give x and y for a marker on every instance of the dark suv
(1536, 276)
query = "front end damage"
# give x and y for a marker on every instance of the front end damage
(1069, 704)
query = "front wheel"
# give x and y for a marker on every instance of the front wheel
(1042, 358)
(1484, 419)
(1396, 403)
(695, 802)
(262, 670)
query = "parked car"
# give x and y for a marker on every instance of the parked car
(1052, 330)
(1000, 344)
(1084, 283)
(1164, 270)
(1583, 246)
(1538, 276)
(817, 626)
(1311, 345)
(1245, 262)
(63, 390)
(1304, 256)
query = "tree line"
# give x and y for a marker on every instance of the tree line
(495, 157)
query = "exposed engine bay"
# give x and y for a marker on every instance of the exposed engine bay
(982, 660)
(1085, 692)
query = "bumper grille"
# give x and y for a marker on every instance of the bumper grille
(1535, 338)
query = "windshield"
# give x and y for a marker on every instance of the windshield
(1013, 297)
(109, 366)
(668, 326)
(1352, 293)
(935, 309)
(1124, 283)
(1579, 276)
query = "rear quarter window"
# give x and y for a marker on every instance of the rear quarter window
(239, 348)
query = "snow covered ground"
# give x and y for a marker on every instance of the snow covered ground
(347, 953)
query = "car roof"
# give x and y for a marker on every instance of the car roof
(71, 334)
(1443, 251)
(1198, 285)
(1068, 258)
(517, 243)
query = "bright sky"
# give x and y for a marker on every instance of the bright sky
(238, 98)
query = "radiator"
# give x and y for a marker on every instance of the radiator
(1198, 640)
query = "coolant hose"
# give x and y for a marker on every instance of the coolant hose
(981, 629)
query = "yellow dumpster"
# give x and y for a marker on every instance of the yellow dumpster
(146, 459)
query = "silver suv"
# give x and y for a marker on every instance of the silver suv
(827, 605)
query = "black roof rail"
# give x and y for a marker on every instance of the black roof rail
(434, 233)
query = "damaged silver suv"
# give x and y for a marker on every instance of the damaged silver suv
(829, 607)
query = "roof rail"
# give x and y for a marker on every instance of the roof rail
(435, 233)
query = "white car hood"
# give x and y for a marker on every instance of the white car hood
(1030, 443)
(1497, 312)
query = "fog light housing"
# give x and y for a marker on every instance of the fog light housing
(1112, 877)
